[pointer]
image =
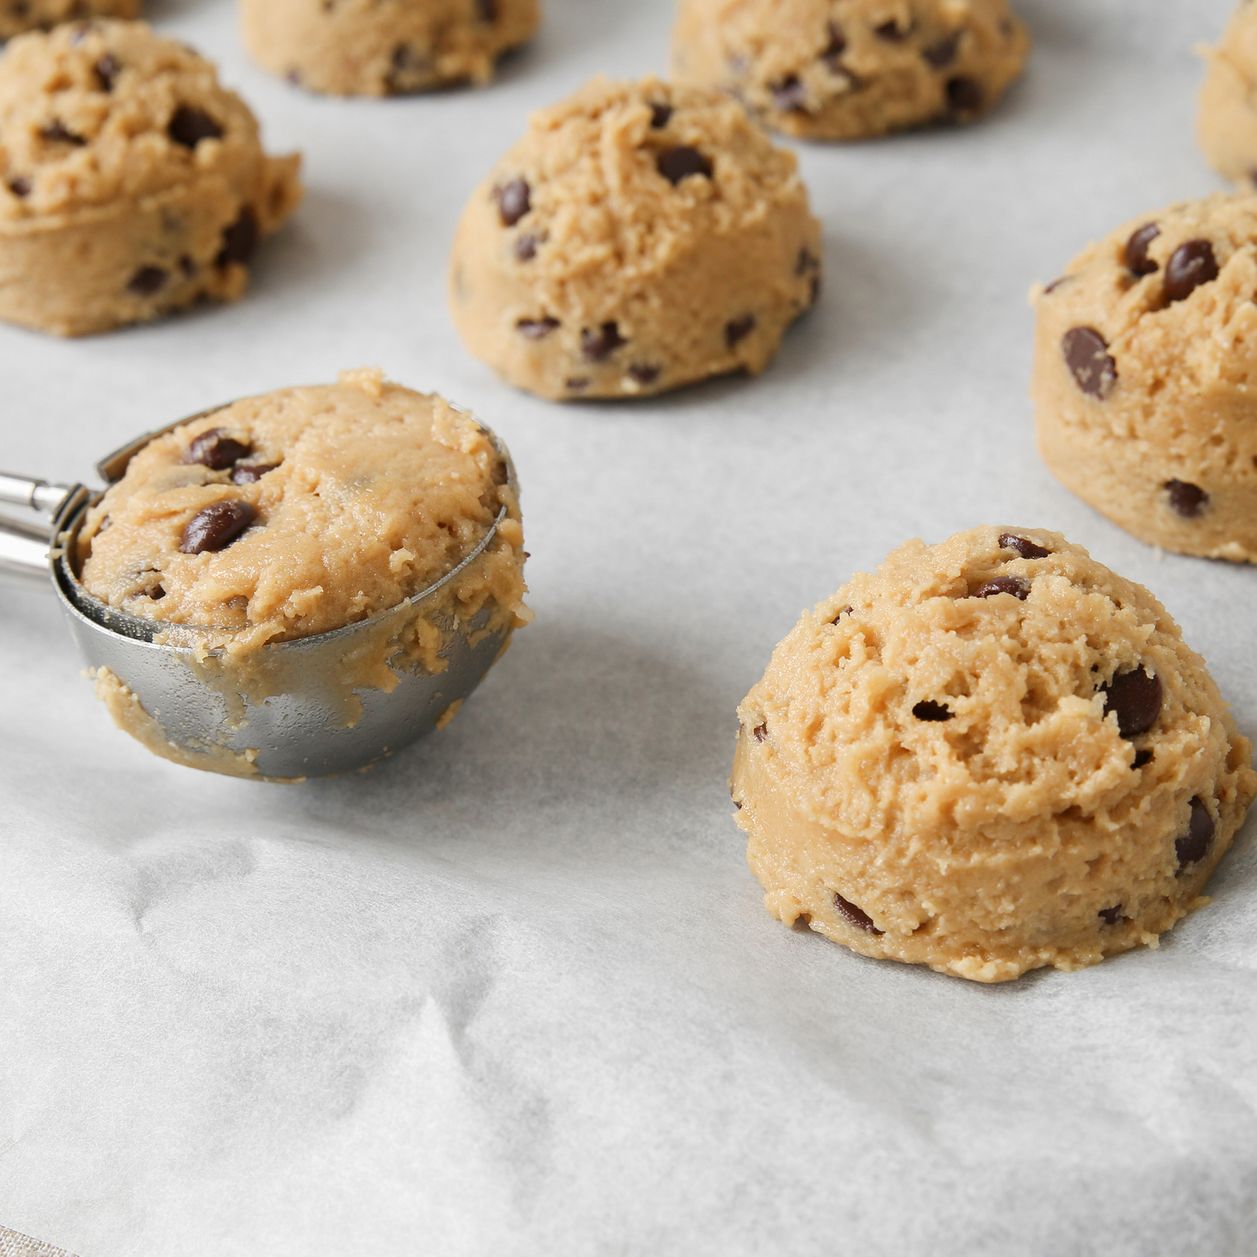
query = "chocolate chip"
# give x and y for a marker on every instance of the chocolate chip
(107, 69)
(1056, 283)
(514, 201)
(790, 94)
(928, 709)
(644, 373)
(250, 473)
(20, 186)
(536, 329)
(487, 10)
(964, 95)
(526, 246)
(597, 344)
(1190, 265)
(1023, 545)
(216, 450)
(187, 266)
(576, 383)
(1004, 585)
(1137, 260)
(1089, 361)
(189, 126)
(1135, 697)
(1111, 916)
(841, 612)
(1193, 845)
(760, 732)
(942, 52)
(891, 31)
(147, 281)
(681, 162)
(217, 526)
(56, 132)
(855, 916)
(739, 329)
(239, 240)
(1142, 758)
(660, 115)
(1187, 500)
(834, 49)
(806, 262)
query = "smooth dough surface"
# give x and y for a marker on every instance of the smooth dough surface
(131, 182)
(983, 779)
(348, 499)
(1226, 121)
(19, 16)
(384, 47)
(850, 69)
(1145, 377)
(640, 237)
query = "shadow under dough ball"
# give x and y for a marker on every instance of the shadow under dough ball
(991, 755)
(640, 237)
(385, 47)
(1145, 377)
(1226, 121)
(19, 16)
(851, 69)
(131, 182)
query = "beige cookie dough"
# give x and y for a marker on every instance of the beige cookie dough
(991, 755)
(849, 69)
(304, 510)
(1226, 121)
(385, 47)
(1145, 366)
(19, 16)
(131, 182)
(640, 237)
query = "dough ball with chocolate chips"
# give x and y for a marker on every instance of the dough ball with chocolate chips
(131, 182)
(640, 237)
(849, 69)
(991, 755)
(385, 47)
(20, 16)
(1145, 377)
(1227, 119)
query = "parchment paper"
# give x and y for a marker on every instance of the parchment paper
(515, 993)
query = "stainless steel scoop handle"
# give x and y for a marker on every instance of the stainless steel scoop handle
(23, 544)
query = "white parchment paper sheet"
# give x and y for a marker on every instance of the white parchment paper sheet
(515, 993)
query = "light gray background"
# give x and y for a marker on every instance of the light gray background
(515, 992)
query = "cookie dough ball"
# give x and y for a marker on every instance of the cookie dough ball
(385, 47)
(848, 69)
(19, 16)
(1145, 377)
(1227, 119)
(304, 510)
(992, 755)
(640, 237)
(131, 182)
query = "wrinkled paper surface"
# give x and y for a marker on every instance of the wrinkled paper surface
(515, 992)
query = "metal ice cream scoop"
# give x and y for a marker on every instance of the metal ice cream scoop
(299, 731)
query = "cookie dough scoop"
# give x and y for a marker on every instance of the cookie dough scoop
(991, 755)
(292, 585)
(1226, 119)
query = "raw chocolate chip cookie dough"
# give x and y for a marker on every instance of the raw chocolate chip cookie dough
(19, 16)
(131, 182)
(1145, 378)
(640, 237)
(385, 47)
(848, 69)
(1227, 119)
(992, 755)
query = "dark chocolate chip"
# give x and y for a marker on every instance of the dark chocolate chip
(514, 201)
(1089, 361)
(147, 281)
(597, 344)
(891, 31)
(928, 709)
(187, 266)
(1111, 916)
(1190, 265)
(107, 69)
(189, 126)
(1135, 698)
(1137, 260)
(644, 373)
(20, 186)
(760, 732)
(739, 329)
(216, 450)
(525, 246)
(660, 115)
(1142, 758)
(790, 94)
(217, 526)
(536, 329)
(576, 383)
(1004, 585)
(806, 262)
(942, 52)
(250, 473)
(842, 611)
(239, 240)
(1023, 545)
(1193, 845)
(964, 95)
(681, 162)
(836, 46)
(1187, 500)
(855, 916)
(487, 10)
(56, 132)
